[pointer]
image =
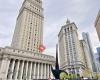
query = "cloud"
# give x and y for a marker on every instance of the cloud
(56, 12)
(8, 13)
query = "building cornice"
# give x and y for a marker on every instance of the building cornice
(66, 26)
(26, 55)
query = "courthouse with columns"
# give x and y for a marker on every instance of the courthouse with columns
(23, 60)
(18, 64)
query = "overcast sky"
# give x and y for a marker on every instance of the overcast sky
(56, 12)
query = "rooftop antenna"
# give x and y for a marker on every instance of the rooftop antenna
(68, 21)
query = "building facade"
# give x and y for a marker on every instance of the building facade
(23, 60)
(88, 71)
(97, 24)
(18, 64)
(98, 59)
(98, 52)
(84, 52)
(97, 62)
(70, 55)
(28, 34)
(90, 54)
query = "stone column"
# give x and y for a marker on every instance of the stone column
(30, 71)
(41, 71)
(38, 71)
(50, 74)
(11, 69)
(48, 71)
(21, 71)
(45, 71)
(4, 66)
(26, 70)
(16, 71)
(34, 71)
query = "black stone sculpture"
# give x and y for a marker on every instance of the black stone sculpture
(56, 72)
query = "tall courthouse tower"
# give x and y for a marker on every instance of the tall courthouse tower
(23, 61)
(28, 34)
